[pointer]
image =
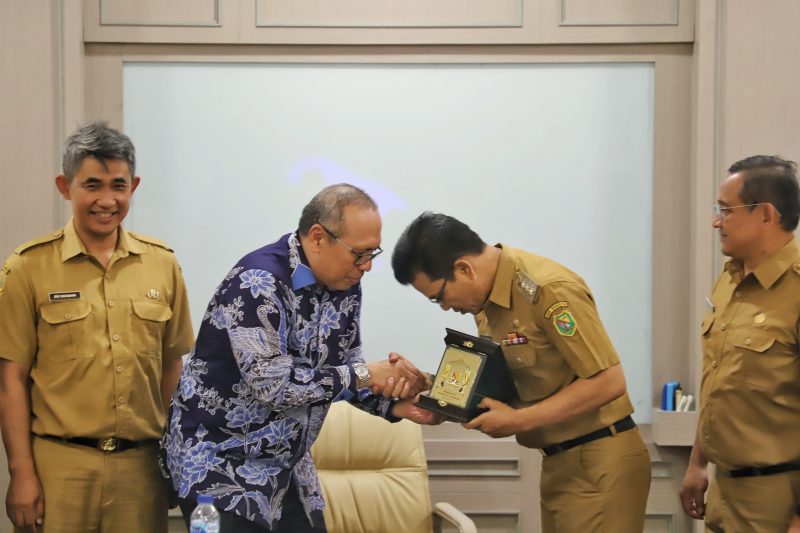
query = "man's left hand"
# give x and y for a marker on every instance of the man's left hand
(501, 420)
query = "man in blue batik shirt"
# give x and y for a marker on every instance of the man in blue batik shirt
(279, 342)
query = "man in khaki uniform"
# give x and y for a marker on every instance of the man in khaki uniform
(572, 401)
(93, 323)
(750, 394)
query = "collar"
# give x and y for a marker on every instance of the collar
(302, 275)
(501, 289)
(73, 246)
(768, 272)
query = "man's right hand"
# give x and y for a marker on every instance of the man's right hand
(693, 491)
(397, 377)
(25, 501)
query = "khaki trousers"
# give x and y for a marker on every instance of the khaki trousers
(89, 491)
(755, 504)
(601, 486)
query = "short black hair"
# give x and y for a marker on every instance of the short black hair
(771, 179)
(431, 244)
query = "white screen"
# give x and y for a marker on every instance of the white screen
(552, 158)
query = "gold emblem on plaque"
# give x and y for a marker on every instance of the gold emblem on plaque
(456, 377)
(469, 344)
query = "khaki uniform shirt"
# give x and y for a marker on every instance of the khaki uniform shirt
(551, 306)
(94, 339)
(750, 394)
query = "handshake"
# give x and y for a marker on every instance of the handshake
(398, 378)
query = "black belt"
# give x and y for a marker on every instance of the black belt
(623, 425)
(108, 444)
(764, 470)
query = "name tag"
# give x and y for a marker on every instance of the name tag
(61, 296)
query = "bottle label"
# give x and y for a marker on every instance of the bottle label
(200, 526)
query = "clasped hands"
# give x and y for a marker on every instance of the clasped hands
(398, 378)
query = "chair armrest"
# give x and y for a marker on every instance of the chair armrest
(447, 512)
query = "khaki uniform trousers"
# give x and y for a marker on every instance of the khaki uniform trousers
(600, 486)
(89, 491)
(758, 504)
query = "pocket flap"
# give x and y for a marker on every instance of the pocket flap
(154, 311)
(61, 312)
(756, 343)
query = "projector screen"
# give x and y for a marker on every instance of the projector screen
(553, 158)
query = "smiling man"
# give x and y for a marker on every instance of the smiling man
(573, 403)
(93, 323)
(280, 341)
(750, 392)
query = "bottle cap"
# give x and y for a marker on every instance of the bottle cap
(203, 499)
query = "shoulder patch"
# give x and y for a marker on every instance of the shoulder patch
(150, 240)
(565, 323)
(50, 237)
(526, 286)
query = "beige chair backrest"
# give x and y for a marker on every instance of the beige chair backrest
(373, 473)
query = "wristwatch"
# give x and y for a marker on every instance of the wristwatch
(362, 373)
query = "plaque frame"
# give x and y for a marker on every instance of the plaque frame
(456, 393)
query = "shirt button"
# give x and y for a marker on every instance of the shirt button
(111, 303)
(68, 316)
(723, 327)
(747, 341)
(519, 359)
(122, 400)
(714, 364)
(115, 337)
(738, 294)
(119, 369)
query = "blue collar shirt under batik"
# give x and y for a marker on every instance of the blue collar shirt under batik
(273, 351)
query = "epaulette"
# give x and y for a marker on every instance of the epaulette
(50, 237)
(525, 285)
(150, 240)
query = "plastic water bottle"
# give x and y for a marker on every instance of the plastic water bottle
(205, 517)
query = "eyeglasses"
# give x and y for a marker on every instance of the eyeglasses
(438, 298)
(361, 257)
(723, 211)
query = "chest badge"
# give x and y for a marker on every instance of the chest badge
(152, 294)
(760, 318)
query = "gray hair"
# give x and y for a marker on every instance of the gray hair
(100, 141)
(327, 207)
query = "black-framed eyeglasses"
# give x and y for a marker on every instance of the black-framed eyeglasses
(361, 257)
(439, 295)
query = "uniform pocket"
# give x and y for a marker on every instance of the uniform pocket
(762, 358)
(521, 360)
(149, 321)
(63, 330)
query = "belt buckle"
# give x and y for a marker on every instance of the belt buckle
(108, 444)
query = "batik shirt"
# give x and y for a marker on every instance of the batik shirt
(273, 351)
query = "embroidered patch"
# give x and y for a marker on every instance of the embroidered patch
(553, 308)
(61, 296)
(565, 323)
